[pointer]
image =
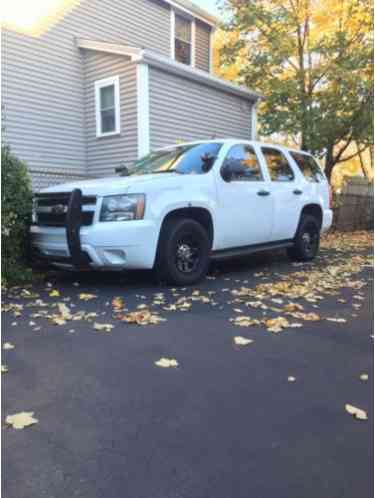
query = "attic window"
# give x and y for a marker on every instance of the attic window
(107, 106)
(183, 44)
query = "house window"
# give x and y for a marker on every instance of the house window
(107, 103)
(183, 40)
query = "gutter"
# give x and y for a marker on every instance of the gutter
(158, 61)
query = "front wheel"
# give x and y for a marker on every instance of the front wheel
(307, 239)
(183, 252)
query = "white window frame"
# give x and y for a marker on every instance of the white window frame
(99, 84)
(173, 36)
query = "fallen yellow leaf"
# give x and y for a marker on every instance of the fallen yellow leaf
(118, 304)
(242, 341)
(21, 420)
(54, 293)
(87, 297)
(276, 325)
(103, 327)
(356, 412)
(166, 363)
(8, 345)
(245, 321)
(64, 311)
(142, 318)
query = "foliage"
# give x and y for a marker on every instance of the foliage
(16, 205)
(313, 63)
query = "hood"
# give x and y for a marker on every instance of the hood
(111, 185)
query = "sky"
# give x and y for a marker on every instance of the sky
(209, 5)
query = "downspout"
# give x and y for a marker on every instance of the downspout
(143, 109)
(254, 120)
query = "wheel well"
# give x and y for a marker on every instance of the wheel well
(200, 215)
(313, 210)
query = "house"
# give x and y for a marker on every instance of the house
(99, 83)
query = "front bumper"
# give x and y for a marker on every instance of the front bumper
(117, 245)
(327, 219)
(107, 245)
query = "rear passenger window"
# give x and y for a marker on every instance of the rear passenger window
(244, 164)
(278, 165)
(308, 166)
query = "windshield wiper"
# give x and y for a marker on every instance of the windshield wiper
(167, 171)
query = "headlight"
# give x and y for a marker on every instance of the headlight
(123, 207)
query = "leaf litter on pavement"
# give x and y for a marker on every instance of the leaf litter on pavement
(278, 300)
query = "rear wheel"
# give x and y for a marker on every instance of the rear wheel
(183, 252)
(307, 239)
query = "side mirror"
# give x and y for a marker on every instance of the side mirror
(232, 168)
(122, 170)
(226, 172)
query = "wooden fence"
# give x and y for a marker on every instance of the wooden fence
(354, 207)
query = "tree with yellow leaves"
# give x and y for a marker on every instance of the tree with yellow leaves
(312, 60)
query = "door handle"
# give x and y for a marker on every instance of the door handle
(263, 193)
(297, 191)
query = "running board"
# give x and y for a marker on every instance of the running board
(245, 250)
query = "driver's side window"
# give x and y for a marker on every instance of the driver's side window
(243, 164)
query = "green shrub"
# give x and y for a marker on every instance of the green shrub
(16, 206)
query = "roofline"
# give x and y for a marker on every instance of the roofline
(159, 61)
(111, 48)
(194, 10)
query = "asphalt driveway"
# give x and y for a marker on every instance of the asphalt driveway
(226, 422)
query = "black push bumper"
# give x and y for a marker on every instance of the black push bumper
(73, 227)
(78, 259)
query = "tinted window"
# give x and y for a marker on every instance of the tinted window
(308, 166)
(278, 165)
(193, 159)
(244, 164)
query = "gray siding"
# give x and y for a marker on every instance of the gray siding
(43, 84)
(185, 110)
(202, 46)
(105, 153)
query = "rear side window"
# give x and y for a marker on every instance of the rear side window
(278, 165)
(308, 166)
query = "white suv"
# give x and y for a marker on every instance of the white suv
(179, 207)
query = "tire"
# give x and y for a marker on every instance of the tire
(183, 252)
(307, 239)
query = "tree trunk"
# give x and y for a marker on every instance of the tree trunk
(329, 163)
(364, 171)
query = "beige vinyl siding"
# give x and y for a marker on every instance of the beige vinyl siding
(202, 46)
(106, 153)
(181, 109)
(43, 95)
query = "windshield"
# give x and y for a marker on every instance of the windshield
(193, 159)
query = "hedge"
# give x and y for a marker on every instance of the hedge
(16, 206)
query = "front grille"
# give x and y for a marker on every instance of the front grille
(47, 200)
(47, 203)
(58, 220)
